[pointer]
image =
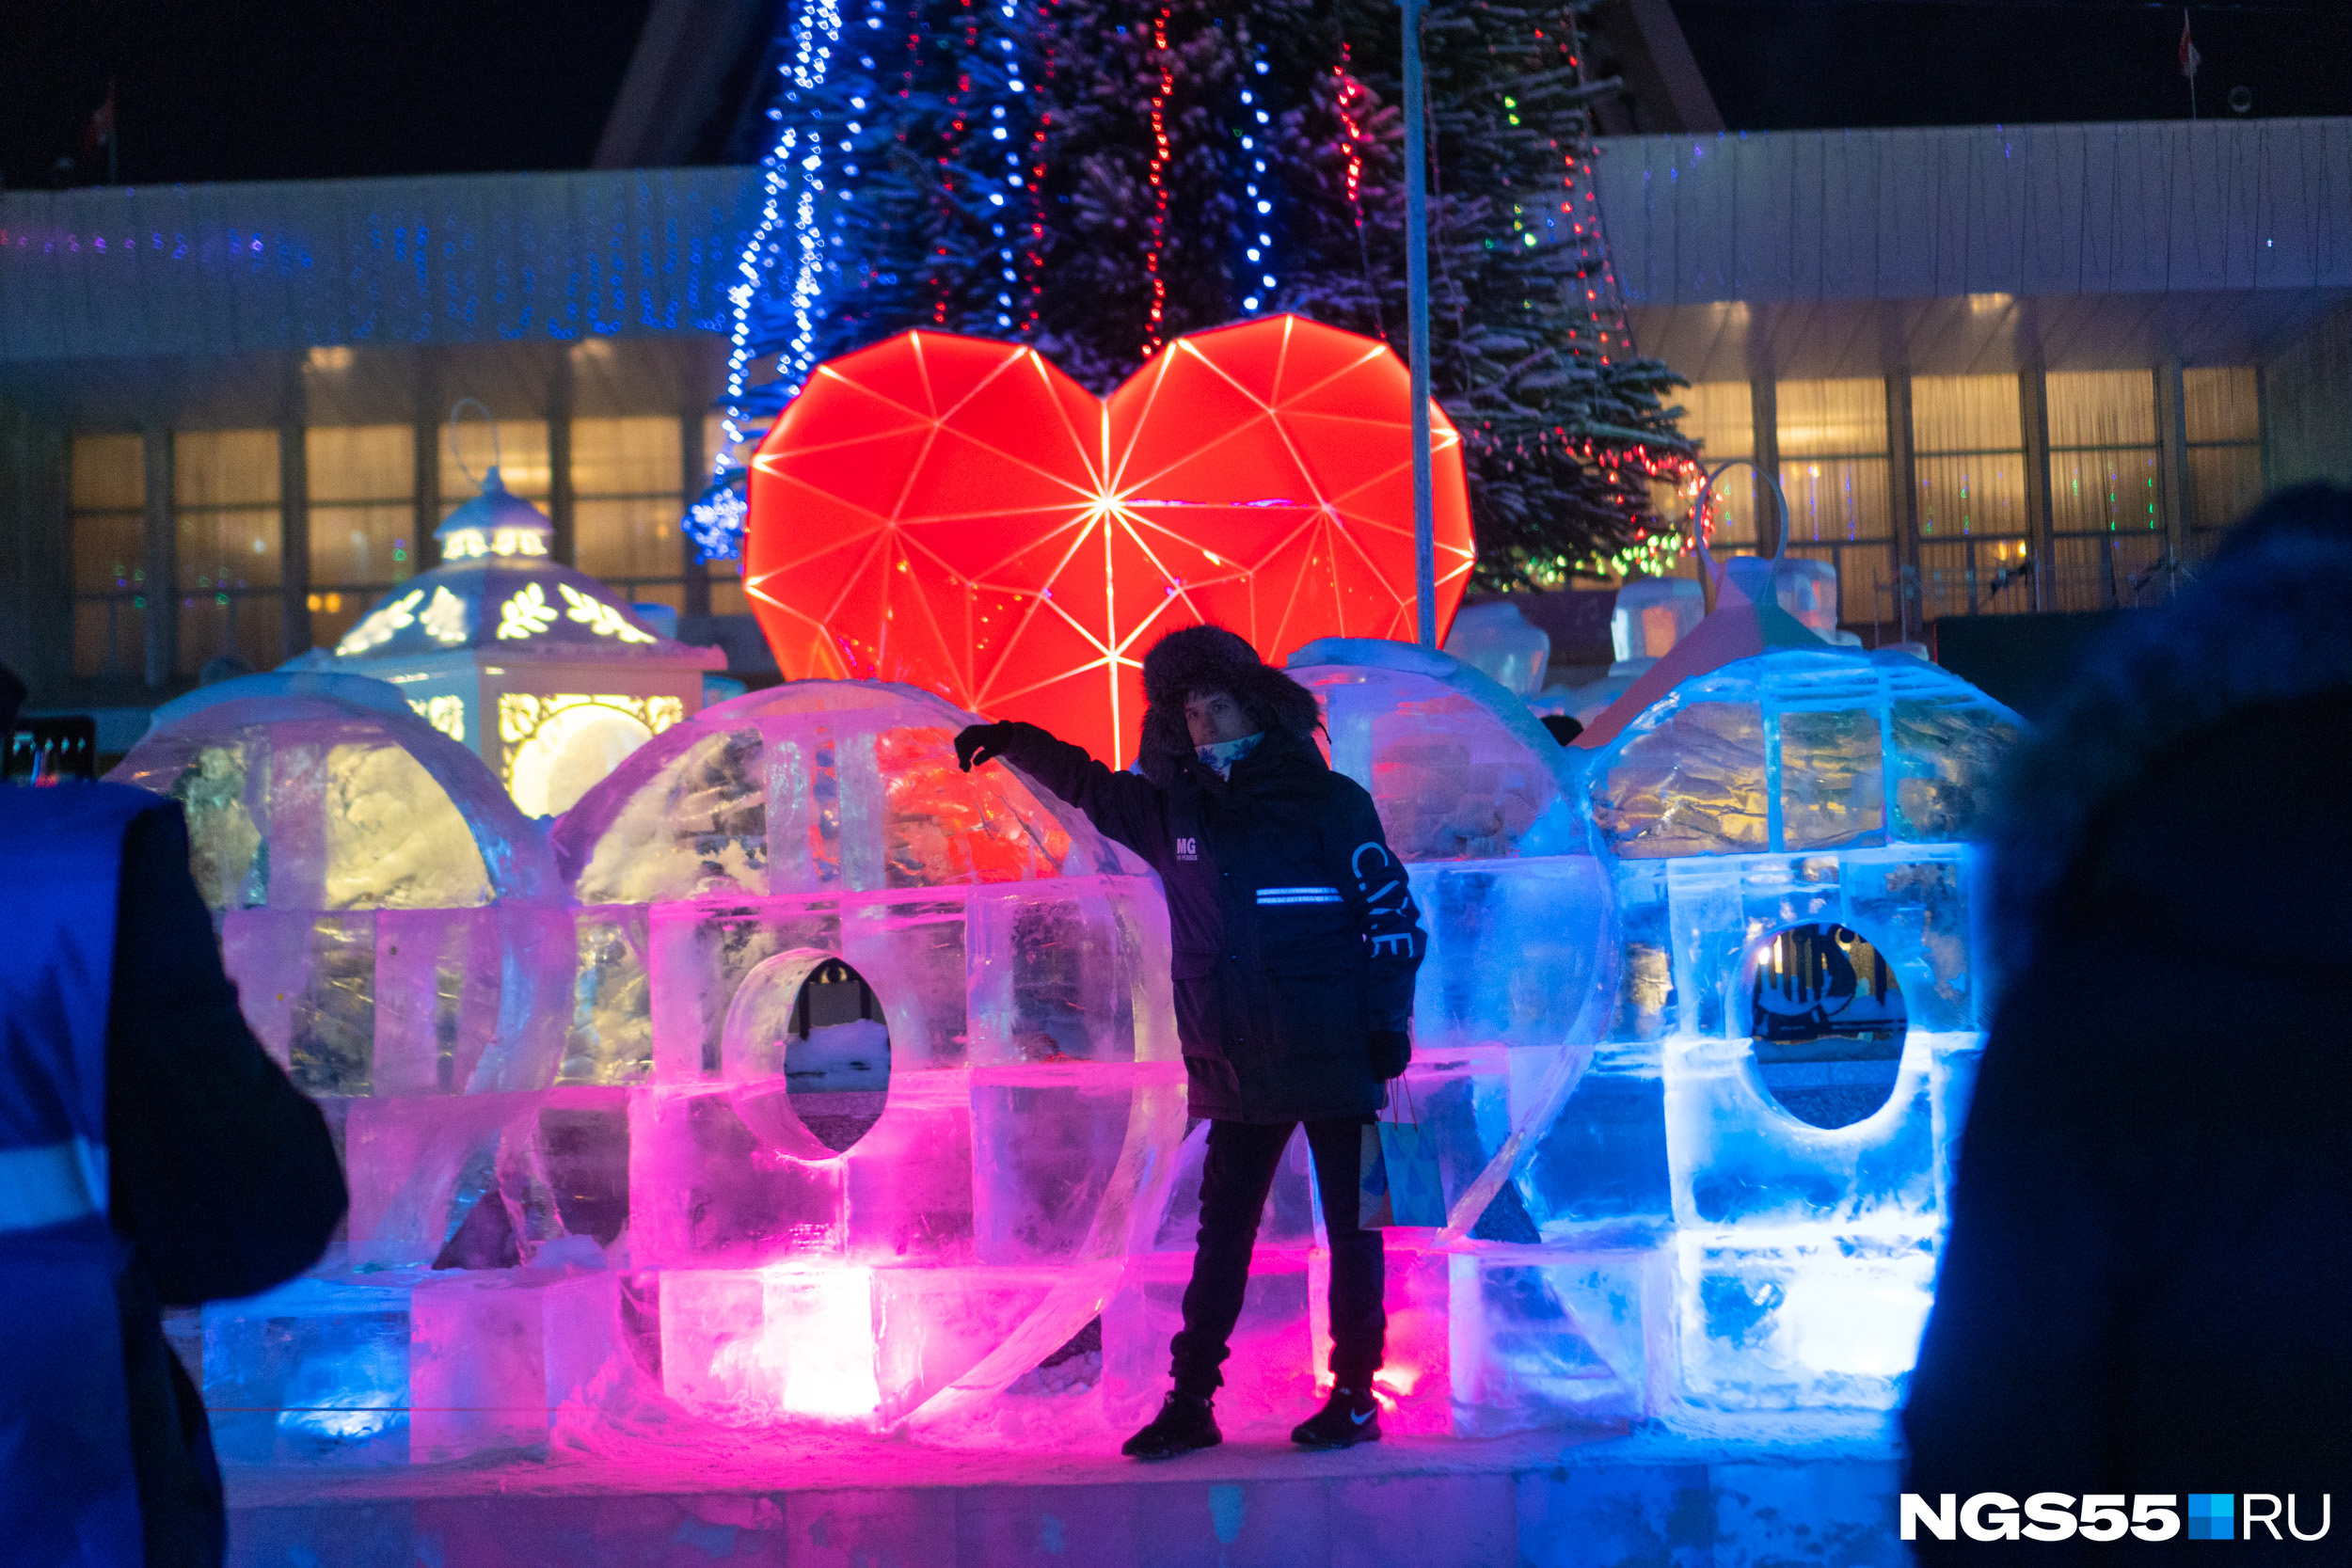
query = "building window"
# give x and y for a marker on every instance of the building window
(1833, 464)
(363, 521)
(108, 528)
(520, 453)
(1976, 550)
(1721, 416)
(625, 505)
(227, 526)
(2107, 512)
(2223, 409)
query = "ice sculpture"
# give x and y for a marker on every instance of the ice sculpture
(980, 1230)
(1807, 588)
(656, 1211)
(400, 941)
(1652, 614)
(1497, 640)
(393, 925)
(1034, 1100)
(1798, 787)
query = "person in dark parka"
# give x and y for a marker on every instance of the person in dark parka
(151, 1154)
(2145, 1288)
(1296, 941)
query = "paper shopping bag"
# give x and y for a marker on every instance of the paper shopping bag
(1398, 1176)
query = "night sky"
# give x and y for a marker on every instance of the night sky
(1777, 65)
(233, 90)
(230, 90)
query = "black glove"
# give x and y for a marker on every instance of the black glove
(1392, 1053)
(979, 743)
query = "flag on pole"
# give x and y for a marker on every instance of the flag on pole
(102, 124)
(101, 131)
(2190, 61)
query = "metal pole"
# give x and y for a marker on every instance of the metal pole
(1417, 293)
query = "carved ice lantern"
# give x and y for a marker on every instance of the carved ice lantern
(532, 665)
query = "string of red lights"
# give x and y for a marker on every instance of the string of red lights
(1352, 134)
(950, 145)
(1033, 254)
(1151, 338)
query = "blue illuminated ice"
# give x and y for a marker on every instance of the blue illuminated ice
(1799, 788)
(1497, 641)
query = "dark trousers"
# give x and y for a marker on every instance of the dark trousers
(1239, 1172)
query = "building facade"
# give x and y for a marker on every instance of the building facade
(1997, 370)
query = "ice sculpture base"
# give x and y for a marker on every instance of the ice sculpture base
(1746, 1489)
(396, 1366)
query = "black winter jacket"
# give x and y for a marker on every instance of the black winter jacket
(2145, 1278)
(1294, 931)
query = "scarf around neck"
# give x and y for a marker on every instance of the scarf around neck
(1221, 757)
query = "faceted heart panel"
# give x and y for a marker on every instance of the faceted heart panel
(958, 515)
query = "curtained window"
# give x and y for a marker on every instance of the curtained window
(1833, 464)
(627, 503)
(2107, 512)
(726, 576)
(2223, 413)
(227, 524)
(108, 523)
(362, 482)
(519, 450)
(1968, 441)
(1721, 416)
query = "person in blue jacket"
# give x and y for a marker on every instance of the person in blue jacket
(151, 1154)
(1296, 941)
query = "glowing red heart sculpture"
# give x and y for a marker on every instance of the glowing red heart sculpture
(958, 515)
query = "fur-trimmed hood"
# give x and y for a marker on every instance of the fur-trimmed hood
(2269, 621)
(1210, 659)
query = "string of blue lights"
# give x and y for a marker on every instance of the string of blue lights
(1257, 275)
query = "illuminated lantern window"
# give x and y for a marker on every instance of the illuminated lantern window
(960, 515)
(530, 665)
(558, 746)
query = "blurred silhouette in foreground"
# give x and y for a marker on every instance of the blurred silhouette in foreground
(2146, 1287)
(151, 1155)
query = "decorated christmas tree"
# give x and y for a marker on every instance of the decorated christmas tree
(1099, 177)
(898, 188)
(1566, 429)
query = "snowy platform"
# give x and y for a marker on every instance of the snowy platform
(1741, 1492)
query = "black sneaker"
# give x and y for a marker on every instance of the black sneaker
(1350, 1418)
(1184, 1423)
